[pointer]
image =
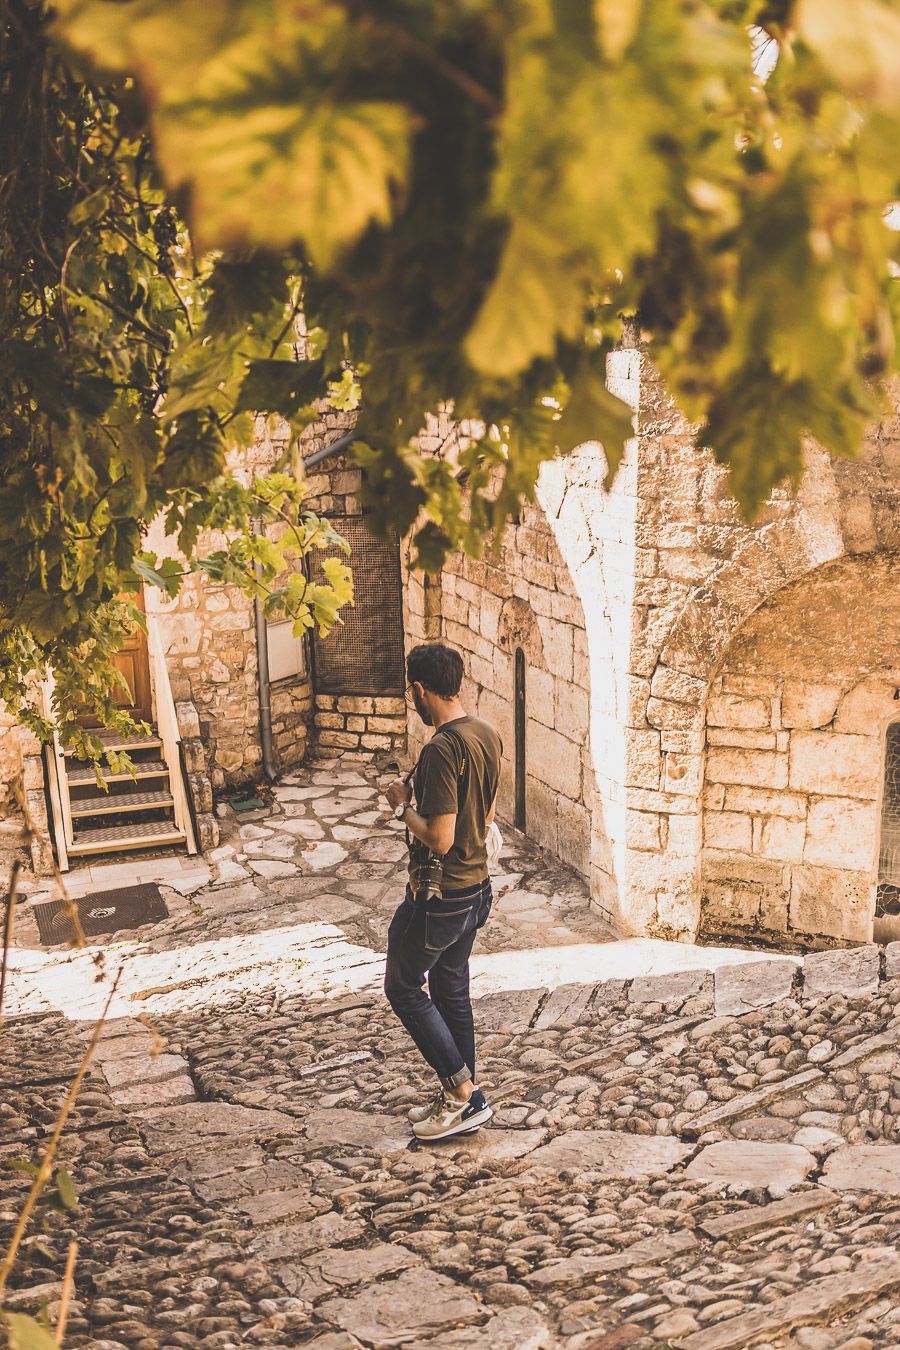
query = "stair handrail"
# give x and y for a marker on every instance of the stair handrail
(167, 728)
(58, 780)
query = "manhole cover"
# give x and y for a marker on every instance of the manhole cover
(102, 912)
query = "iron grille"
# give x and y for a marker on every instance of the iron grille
(364, 655)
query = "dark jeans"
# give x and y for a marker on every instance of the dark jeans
(434, 939)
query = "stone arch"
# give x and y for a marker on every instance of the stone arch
(779, 554)
(794, 727)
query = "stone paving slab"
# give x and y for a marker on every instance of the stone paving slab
(169, 1127)
(818, 1301)
(748, 1165)
(610, 1154)
(864, 1167)
(395, 1311)
(740, 989)
(509, 1329)
(849, 970)
(577, 1269)
(383, 1133)
(751, 1220)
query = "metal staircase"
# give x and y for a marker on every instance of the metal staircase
(149, 810)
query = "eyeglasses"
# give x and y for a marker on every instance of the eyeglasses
(410, 696)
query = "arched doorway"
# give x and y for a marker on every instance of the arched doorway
(793, 761)
(887, 896)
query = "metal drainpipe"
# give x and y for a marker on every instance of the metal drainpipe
(262, 647)
(262, 665)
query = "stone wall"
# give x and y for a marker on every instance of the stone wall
(356, 722)
(701, 573)
(795, 727)
(21, 777)
(210, 637)
(630, 604)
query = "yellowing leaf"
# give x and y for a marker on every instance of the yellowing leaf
(536, 295)
(319, 175)
(594, 414)
(25, 1333)
(618, 20)
(859, 42)
(244, 112)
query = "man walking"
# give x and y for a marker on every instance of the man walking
(433, 931)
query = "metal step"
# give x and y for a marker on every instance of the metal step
(114, 740)
(109, 805)
(144, 768)
(114, 838)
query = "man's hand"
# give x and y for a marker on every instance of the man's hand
(398, 793)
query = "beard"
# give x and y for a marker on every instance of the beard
(422, 710)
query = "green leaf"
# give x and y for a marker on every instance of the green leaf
(166, 575)
(194, 454)
(756, 428)
(65, 1187)
(594, 414)
(243, 289)
(431, 546)
(538, 293)
(26, 1333)
(92, 207)
(280, 386)
(29, 1169)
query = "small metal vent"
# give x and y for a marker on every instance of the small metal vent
(364, 655)
(102, 912)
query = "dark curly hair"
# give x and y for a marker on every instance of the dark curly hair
(438, 668)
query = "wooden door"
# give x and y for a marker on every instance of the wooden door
(133, 660)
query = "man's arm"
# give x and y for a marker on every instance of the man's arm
(437, 832)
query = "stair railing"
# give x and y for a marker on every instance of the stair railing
(57, 780)
(167, 729)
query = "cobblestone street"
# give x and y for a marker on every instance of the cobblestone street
(692, 1146)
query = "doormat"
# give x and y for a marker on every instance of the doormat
(102, 912)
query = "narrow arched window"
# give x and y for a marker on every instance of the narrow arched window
(520, 718)
(888, 896)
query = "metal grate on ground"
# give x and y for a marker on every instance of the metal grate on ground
(101, 912)
(364, 655)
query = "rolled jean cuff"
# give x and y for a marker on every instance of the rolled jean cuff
(457, 1079)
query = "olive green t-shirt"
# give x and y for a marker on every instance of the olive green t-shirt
(442, 790)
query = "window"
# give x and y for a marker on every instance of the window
(888, 895)
(287, 654)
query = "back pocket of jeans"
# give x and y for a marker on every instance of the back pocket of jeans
(444, 927)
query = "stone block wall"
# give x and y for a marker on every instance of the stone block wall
(795, 729)
(354, 722)
(714, 689)
(697, 767)
(526, 599)
(210, 637)
(21, 777)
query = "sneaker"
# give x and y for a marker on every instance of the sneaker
(449, 1118)
(416, 1114)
